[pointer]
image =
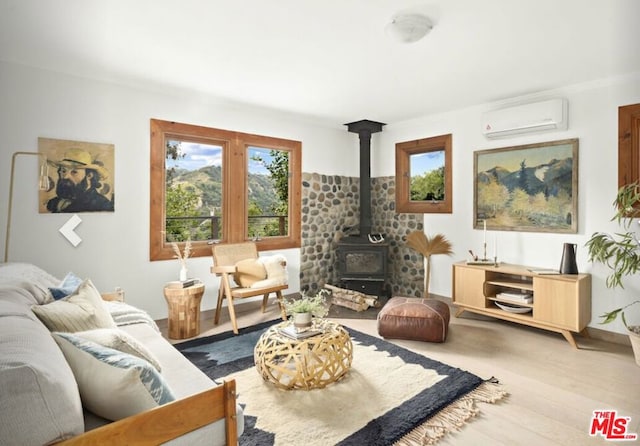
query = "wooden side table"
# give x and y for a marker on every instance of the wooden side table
(184, 310)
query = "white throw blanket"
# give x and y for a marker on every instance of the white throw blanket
(276, 267)
(125, 314)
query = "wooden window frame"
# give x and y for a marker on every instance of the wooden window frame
(628, 144)
(234, 196)
(404, 150)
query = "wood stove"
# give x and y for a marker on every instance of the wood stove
(362, 258)
(362, 266)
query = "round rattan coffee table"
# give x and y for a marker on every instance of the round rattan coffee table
(310, 363)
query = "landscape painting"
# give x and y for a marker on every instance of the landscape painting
(530, 188)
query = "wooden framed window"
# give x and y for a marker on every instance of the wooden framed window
(219, 186)
(423, 176)
(628, 144)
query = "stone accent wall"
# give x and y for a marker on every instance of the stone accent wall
(406, 268)
(330, 211)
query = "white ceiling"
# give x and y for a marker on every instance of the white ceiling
(329, 59)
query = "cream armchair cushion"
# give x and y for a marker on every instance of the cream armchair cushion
(248, 272)
(276, 271)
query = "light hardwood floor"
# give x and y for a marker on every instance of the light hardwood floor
(553, 388)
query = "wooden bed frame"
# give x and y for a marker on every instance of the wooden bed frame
(169, 421)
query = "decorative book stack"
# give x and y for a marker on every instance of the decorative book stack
(521, 298)
(544, 271)
(183, 283)
(290, 331)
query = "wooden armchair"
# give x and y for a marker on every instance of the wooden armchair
(225, 259)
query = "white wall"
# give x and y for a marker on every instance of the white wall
(593, 119)
(115, 247)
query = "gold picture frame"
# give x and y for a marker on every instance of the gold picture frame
(529, 188)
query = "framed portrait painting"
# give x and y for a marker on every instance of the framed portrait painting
(81, 176)
(531, 188)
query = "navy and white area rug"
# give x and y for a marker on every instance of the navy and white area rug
(390, 396)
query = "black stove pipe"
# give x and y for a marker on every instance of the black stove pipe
(365, 129)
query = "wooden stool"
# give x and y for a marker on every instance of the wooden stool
(184, 311)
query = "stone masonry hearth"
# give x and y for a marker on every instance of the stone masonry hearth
(330, 211)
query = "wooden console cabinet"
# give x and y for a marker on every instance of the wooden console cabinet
(561, 303)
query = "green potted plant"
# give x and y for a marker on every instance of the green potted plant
(621, 253)
(302, 309)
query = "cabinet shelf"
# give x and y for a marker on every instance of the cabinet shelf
(519, 285)
(506, 315)
(511, 302)
(561, 302)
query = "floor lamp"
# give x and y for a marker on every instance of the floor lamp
(43, 185)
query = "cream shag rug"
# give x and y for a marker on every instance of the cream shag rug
(390, 395)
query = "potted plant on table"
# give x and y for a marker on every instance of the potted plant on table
(302, 310)
(621, 253)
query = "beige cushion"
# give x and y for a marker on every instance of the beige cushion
(39, 402)
(249, 271)
(112, 384)
(120, 340)
(82, 310)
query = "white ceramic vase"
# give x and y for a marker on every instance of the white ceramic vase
(183, 273)
(302, 320)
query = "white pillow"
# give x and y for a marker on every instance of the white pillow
(82, 310)
(112, 384)
(276, 268)
(122, 341)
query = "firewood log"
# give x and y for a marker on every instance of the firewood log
(349, 304)
(372, 302)
(345, 293)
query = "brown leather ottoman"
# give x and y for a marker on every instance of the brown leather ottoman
(414, 319)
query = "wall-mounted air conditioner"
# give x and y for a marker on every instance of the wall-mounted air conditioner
(539, 116)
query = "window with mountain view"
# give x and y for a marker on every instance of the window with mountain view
(193, 190)
(267, 192)
(218, 186)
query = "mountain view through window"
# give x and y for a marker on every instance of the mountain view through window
(194, 191)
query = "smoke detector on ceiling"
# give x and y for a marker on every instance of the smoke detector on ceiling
(408, 27)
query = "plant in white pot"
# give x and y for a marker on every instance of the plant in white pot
(302, 310)
(621, 253)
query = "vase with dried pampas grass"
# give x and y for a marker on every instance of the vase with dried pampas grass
(182, 256)
(438, 244)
